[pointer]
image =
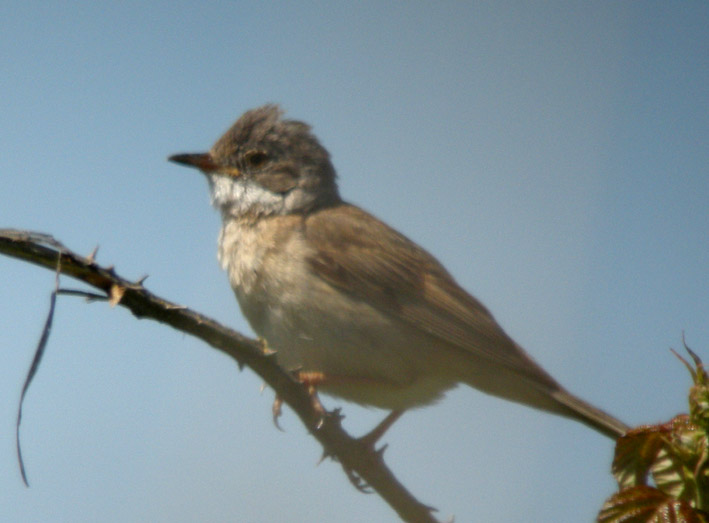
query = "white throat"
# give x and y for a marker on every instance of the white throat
(239, 196)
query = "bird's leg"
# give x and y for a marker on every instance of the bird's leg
(276, 409)
(371, 438)
(311, 380)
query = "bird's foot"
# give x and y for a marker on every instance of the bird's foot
(311, 380)
(265, 349)
(370, 439)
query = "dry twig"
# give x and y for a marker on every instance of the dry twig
(358, 460)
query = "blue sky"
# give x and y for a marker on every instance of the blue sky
(554, 157)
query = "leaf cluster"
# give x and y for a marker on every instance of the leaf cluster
(663, 470)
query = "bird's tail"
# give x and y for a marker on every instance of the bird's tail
(578, 409)
(527, 383)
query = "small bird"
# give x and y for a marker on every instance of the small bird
(352, 307)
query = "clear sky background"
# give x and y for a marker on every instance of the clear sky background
(555, 157)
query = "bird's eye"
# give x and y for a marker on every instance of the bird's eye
(255, 159)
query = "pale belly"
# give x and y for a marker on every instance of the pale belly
(364, 356)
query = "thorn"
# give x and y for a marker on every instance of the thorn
(139, 281)
(92, 257)
(337, 415)
(380, 451)
(324, 456)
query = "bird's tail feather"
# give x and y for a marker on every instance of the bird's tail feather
(589, 415)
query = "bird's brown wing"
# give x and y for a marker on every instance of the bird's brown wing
(360, 255)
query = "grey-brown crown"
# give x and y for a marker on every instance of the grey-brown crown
(288, 149)
(265, 164)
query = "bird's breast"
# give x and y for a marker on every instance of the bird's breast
(368, 356)
(266, 263)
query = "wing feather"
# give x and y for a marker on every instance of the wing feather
(365, 258)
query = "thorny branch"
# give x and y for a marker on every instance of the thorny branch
(358, 460)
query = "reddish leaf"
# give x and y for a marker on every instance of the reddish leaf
(636, 451)
(681, 469)
(643, 504)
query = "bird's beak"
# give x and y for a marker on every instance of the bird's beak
(202, 161)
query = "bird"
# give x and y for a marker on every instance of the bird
(350, 306)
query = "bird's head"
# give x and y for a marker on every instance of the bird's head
(264, 165)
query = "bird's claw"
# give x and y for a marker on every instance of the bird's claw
(277, 411)
(265, 349)
(311, 380)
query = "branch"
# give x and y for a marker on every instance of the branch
(357, 459)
